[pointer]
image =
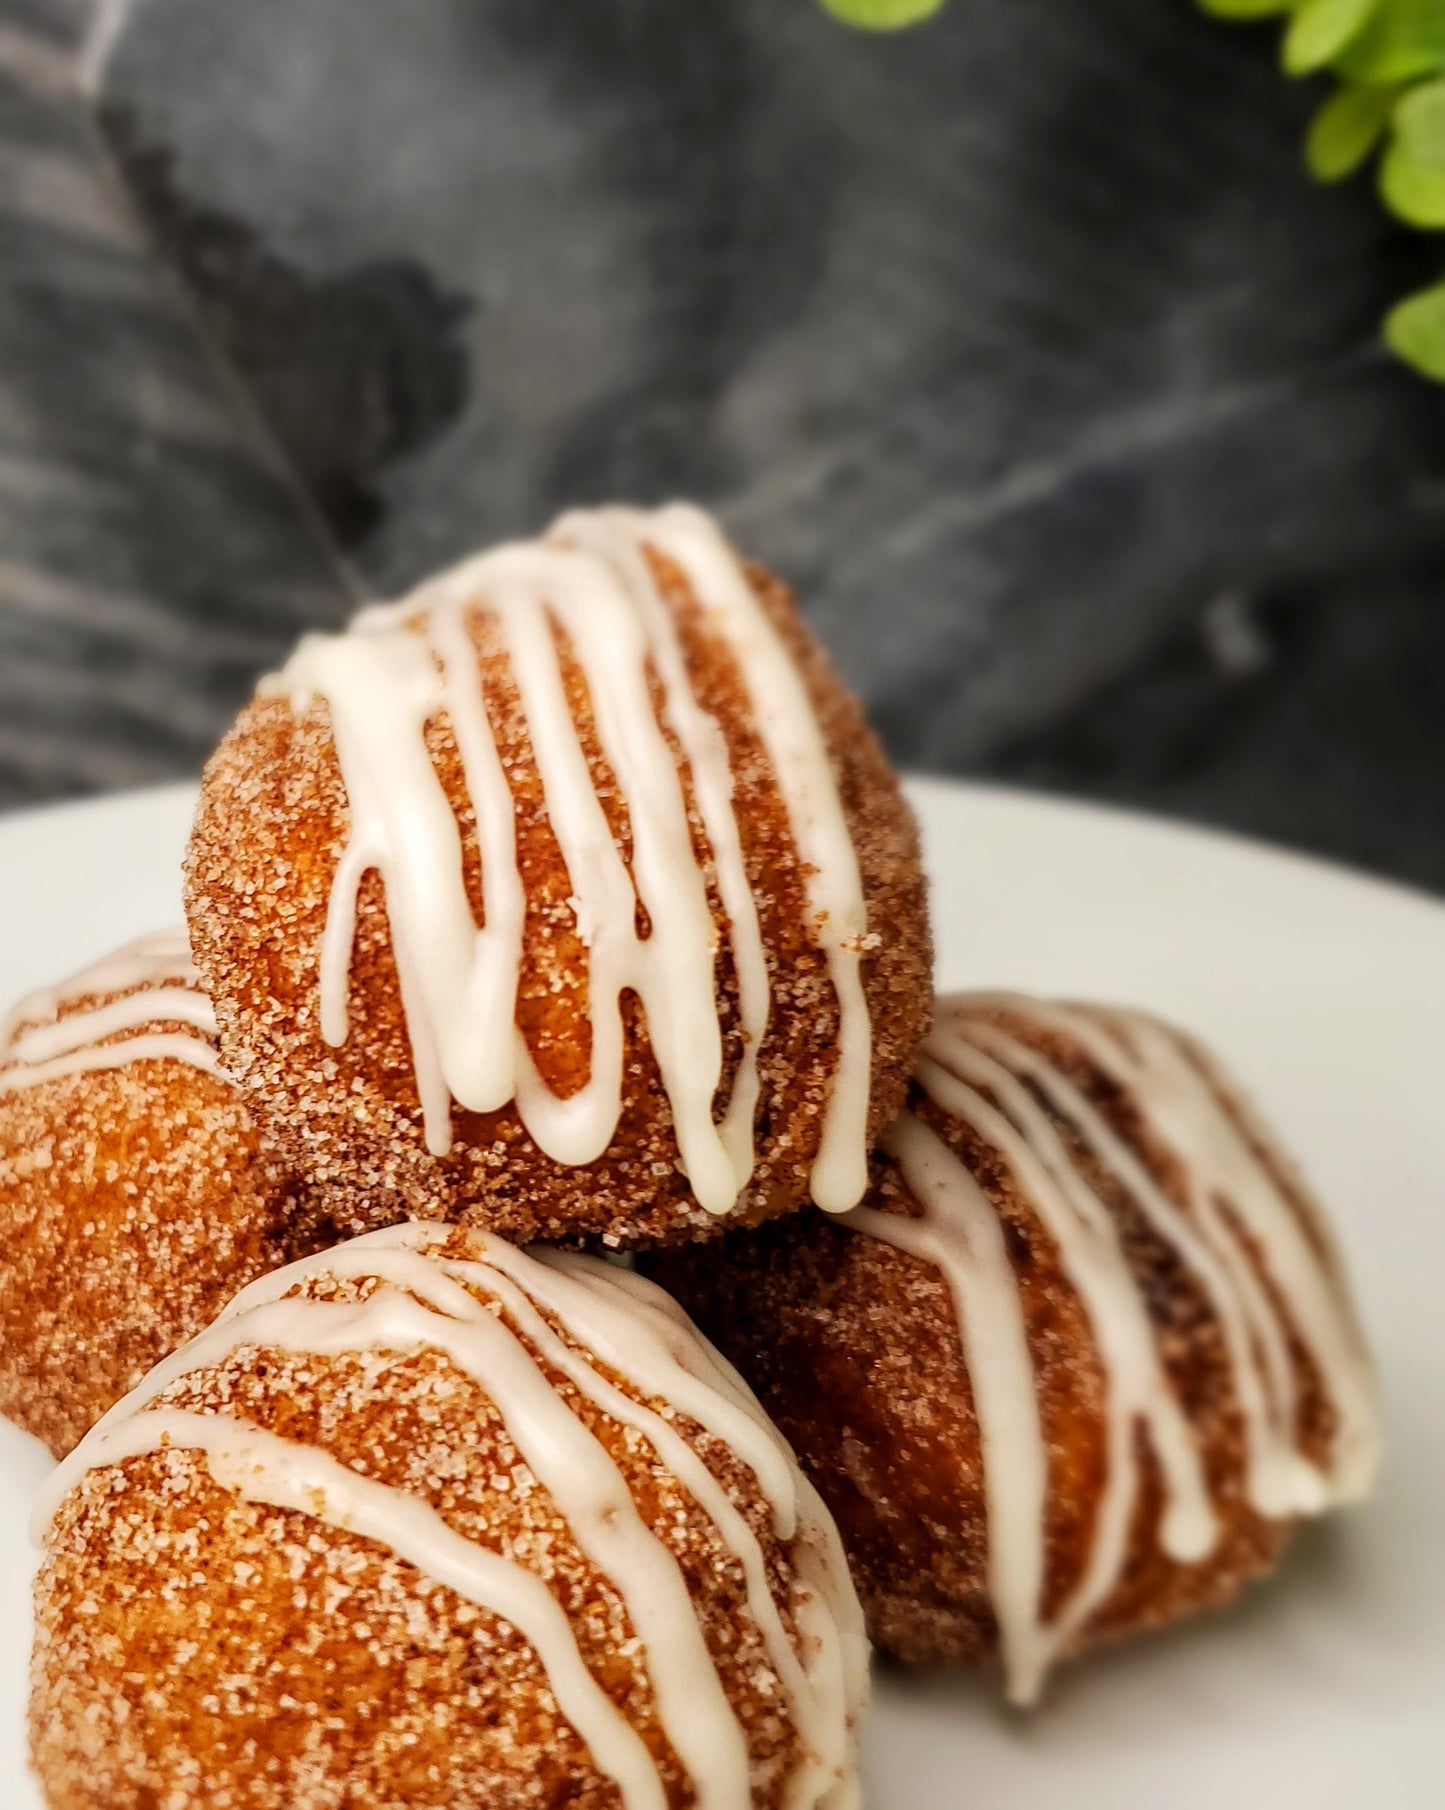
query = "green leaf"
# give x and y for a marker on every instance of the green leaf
(1246, 9)
(1404, 39)
(1420, 124)
(1414, 191)
(1415, 331)
(882, 15)
(1345, 131)
(1320, 30)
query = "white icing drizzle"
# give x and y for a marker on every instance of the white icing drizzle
(156, 983)
(401, 666)
(1012, 1098)
(426, 1301)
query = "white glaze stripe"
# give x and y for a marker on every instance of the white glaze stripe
(1279, 1479)
(426, 1301)
(961, 1236)
(676, 1364)
(401, 667)
(985, 1076)
(586, 1310)
(793, 737)
(261, 1467)
(1182, 1109)
(1094, 1259)
(706, 751)
(157, 983)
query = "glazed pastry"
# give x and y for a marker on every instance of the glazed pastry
(427, 1520)
(1082, 1361)
(578, 859)
(135, 1195)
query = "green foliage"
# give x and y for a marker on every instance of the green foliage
(1420, 124)
(1402, 39)
(1246, 9)
(1347, 128)
(1389, 60)
(1414, 191)
(1415, 329)
(1320, 29)
(882, 15)
(1388, 57)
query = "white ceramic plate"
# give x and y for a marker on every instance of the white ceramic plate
(1324, 1688)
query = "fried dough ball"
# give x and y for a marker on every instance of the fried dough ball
(1081, 1363)
(135, 1194)
(428, 1521)
(609, 691)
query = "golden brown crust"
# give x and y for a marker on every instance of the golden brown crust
(854, 1348)
(206, 1653)
(271, 825)
(134, 1202)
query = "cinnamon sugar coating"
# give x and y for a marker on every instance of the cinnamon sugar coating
(202, 1651)
(854, 1347)
(272, 822)
(134, 1202)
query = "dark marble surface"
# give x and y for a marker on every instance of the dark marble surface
(153, 554)
(1020, 343)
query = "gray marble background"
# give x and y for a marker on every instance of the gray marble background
(1020, 343)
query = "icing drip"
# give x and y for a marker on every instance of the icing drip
(156, 982)
(401, 666)
(1013, 1099)
(427, 1301)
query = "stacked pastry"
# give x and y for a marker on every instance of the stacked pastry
(1080, 1363)
(570, 904)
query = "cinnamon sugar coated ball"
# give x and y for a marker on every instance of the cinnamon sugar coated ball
(135, 1194)
(428, 1521)
(1082, 1362)
(571, 897)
